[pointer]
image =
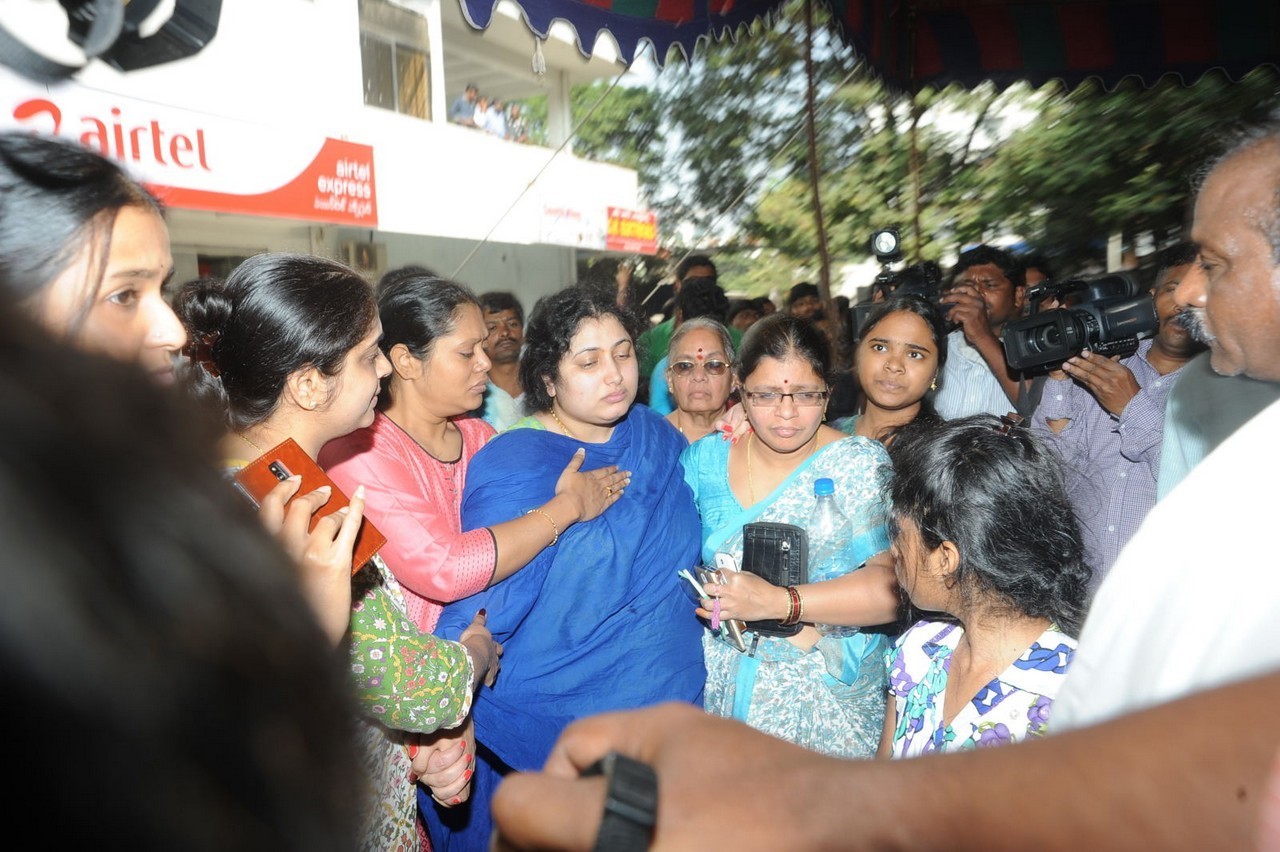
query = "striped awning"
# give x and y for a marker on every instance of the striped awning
(937, 42)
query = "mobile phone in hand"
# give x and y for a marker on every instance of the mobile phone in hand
(286, 459)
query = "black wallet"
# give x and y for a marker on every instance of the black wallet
(780, 554)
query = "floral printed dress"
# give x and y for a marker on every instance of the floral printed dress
(1013, 706)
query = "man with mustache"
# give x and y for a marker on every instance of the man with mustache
(1106, 416)
(1163, 736)
(504, 318)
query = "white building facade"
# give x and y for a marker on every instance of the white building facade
(320, 126)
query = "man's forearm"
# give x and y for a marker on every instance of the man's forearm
(1187, 775)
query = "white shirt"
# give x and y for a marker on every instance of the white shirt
(967, 385)
(1193, 602)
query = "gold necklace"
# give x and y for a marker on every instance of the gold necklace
(751, 485)
(243, 437)
(679, 422)
(563, 428)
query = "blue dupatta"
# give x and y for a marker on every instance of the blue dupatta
(596, 622)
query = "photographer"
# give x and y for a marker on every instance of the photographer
(988, 289)
(1107, 417)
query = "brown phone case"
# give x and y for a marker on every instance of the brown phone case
(277, 464)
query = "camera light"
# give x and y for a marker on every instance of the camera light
(886, 245)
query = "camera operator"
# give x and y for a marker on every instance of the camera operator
(1107, 417)
(988, 289)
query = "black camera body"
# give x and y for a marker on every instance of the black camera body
(919, 279)
(1107, 315)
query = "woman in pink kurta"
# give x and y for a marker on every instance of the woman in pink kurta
(414, 499)
(413, 460)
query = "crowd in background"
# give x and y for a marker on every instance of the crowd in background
(539, 517)
(490, 114)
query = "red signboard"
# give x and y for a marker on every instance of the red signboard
(203, 162)
(632, 231)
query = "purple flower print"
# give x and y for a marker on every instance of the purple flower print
(1038, 716)
(993, 735)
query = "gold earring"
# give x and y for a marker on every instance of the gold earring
(934, 384)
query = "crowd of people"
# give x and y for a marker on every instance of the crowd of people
(490, 114)
(998, 570)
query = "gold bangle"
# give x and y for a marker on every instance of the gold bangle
(555, 530)
(800, 605)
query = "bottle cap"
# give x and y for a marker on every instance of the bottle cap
(823, 487)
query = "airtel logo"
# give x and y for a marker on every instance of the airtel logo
(142, 142)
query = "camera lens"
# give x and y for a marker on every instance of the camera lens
(1046, 338)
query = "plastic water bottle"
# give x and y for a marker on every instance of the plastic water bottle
(829, 533)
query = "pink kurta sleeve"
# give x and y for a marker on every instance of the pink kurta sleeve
(415, 501)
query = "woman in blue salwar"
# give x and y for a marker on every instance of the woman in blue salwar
(598, 620)
(823, 688)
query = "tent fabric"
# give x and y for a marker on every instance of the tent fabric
(936, 43)
(662, 23)
(911, 45)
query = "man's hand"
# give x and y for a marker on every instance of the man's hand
(703, 765)
(1106, 378)
(969, 310)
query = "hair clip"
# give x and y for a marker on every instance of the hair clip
(1009, 421)
(200, 350)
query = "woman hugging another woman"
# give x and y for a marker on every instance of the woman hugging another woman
(288, 348)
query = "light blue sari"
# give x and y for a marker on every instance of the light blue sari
(829, 698)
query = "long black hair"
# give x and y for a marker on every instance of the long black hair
(276, 313)
(999, 495)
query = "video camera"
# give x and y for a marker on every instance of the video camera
(919, 279)
(1108, 315)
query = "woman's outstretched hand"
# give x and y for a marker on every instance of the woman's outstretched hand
(483, 650)
(734, 425)
(594, 490)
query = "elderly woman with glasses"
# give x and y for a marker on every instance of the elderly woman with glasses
(698, 377)
(823, 687)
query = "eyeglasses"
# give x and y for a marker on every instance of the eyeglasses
(769, 399)
(686, 368)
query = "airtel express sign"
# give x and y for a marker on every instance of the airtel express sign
(201, 162)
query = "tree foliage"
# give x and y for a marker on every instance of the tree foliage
(615, 124)
(1094, 162)
(720, 148)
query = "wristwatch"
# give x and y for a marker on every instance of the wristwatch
(630, 804)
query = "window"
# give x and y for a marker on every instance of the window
(393, 57)
(395, 76)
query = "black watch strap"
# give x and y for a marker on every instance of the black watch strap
(630, 805)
